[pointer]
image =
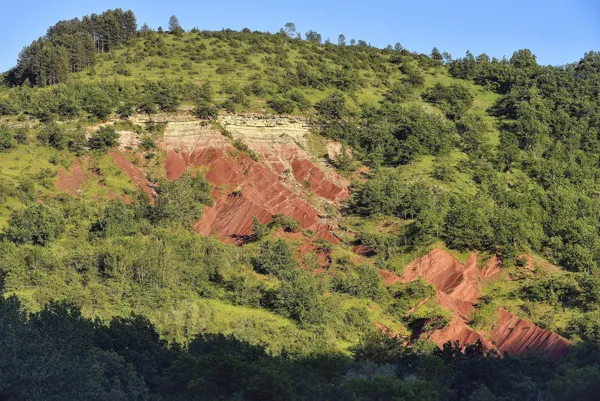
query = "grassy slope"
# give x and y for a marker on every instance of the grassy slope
(213, 315)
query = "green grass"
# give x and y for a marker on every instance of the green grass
(113, 179)
(28, 160)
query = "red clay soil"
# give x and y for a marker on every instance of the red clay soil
(134, 173)
(515, 336)
(458, 289)
(363, 250)
(459, 331)
(331, 186)
(448, 276)
(243, 189)
(72, 181)
(306, 171)
(307, 245)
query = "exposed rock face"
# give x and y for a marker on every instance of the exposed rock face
(254, 127)
(515, 336)
(458, 290)
(245, 188)
(459, 331)
(280, 142)
(457, 284)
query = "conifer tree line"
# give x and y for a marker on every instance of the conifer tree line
(70, 46)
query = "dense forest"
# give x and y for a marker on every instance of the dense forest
(110, 293)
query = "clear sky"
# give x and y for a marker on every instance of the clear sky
(557, 31)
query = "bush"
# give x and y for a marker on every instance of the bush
(275, 258)
(7, 107)
(54, 136)
(258, 229)
(406, 296)
(181, 201)
(300, 298)
(206, 110)
(301, 101)
(7, 138)
(21, 135)
(118, 220)
(363, 281)
(454, 100)
(97, 102)
(104, 138)
(38, 224)
(164, 94)
(281, 106)
(288, 223)
(358, 318)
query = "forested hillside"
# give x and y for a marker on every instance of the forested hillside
(248, 215)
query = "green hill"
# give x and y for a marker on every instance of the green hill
(109, 286)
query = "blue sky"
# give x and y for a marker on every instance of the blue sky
(558, 32)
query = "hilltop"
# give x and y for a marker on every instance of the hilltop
(255, 215)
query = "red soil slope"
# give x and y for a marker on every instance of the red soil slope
(459, 283)
(243, 189)
(329, 186)
(458, 289)
(134, 173)
(72, 181)
(515, 335)
(459, 331)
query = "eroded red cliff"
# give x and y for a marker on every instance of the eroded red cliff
(243, 189)
(458, 287)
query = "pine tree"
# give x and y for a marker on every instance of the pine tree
(174, 25)
(145, 29)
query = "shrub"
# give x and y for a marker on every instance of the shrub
(363, 281)
(454, 100)
(258, 229)
(21, 135)
(206, 110)
(275, 258)
(118, 220)
(37, 224)
(300, 298)
(281, 106)
(406, 296)
(54, 136)
(97, 102)
(301, 101)
(288, 223)
(181, 201)
(104, 138)
(7, 138)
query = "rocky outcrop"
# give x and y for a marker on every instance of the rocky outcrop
(245, 188)
(457, 284)
(281, 143)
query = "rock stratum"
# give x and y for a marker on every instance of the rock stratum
(276, 175)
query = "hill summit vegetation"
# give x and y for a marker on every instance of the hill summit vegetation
(109, 292)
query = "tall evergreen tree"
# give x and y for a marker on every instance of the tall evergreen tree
(174, 24)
